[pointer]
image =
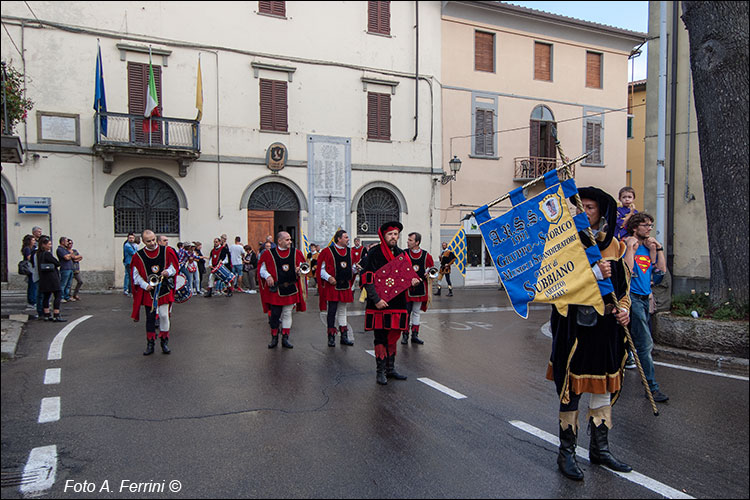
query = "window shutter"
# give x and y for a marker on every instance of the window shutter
(379, 17)
(534, 129)
(484, 140)
(273, 8)
(372, 115)
(280, 107)
(385, 20)
(378, 116)
(484, 53)
(593, 142)
(593, 70)
(542, 61)
(479, 130)
(384, 110)
(266, 105)
(137, 91)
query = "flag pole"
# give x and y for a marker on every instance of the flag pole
(150, 125)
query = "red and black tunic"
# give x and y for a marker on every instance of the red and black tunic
(149, 262)
(393, 317)
(421, 262)
(282, 266)
(338, 263)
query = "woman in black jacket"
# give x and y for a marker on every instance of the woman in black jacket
(49, 279)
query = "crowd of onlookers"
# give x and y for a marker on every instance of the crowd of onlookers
(50, 275)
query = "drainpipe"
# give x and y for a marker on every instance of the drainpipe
(672, 141)
(662, 122)
(218, 137)
(416, 75)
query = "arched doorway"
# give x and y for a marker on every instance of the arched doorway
(272, 207)
(542, 149)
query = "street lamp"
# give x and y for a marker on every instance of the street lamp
(455, 166)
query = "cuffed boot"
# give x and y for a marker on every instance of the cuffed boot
(285, 340)
(165, 345)
(438, 292)
(331, 337)
(149, 347)
(599, 446)
(344, 330)
(566, 455)
(405, 337)
(274, 339)
(390, 368)
(415, 335)
(450, 291)
(380, 378)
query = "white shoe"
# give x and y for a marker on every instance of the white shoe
(251, 291)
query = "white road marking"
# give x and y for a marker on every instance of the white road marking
(370, 352)
(55, 348)
(52, 376)
(440, 387)
(49, 411)
(40, 470)
(635, 477)
(698, 370)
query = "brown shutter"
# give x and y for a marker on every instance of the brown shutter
(484, 51)
(385, 21)
(479, 130)
(372, 115)
(273, 8)
(593, 142)
(378, 116)
(379, 17)
(534, 129)
(384, 110)
(279, 106)
(593, 70)
(137, 91)
(266, 105)
(542, 61)
(273, 105)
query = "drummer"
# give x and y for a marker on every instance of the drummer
(218, 256)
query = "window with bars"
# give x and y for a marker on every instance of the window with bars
(146, 203)
(378, 116)
(484, 132)
(542, 61)
(273, 105)
(379, 18)
(484, 51)
(376, 207)
(593, 70)
(272, 8)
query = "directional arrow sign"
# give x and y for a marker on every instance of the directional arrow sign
(22, 209)
(34, 204)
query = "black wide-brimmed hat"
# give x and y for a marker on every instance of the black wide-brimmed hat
(607, 211)
(390, 226)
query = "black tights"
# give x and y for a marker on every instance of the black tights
(55, 303)
(573, 405)
(331, 317)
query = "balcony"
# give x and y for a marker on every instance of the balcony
(171, 139)
(528, 168)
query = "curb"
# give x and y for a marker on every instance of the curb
(718, 362)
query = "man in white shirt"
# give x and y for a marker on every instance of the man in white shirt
(236, 252)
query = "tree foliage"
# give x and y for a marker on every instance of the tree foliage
(718, 35)
(14, 101)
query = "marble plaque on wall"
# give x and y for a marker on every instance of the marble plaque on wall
(329, 186)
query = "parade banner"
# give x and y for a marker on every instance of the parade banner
(537, 251)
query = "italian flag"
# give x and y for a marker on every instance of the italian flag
(152, 102)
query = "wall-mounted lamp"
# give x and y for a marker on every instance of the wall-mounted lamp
(455, 166)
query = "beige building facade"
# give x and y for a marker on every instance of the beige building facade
(636, 140)
(686, 238)
(348, 101)
(513, 80)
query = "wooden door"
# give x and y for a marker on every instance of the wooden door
(259, 225)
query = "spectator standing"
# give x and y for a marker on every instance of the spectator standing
(129, 248)
(191, 268)
(36, 232)
(49, 279)
(27, 250)
(249, 264)
(65, 258)
(236, 254)
(201, 261)
(645, 258)
(77, 258)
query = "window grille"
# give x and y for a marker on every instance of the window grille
(146, 203)
(376, 207)
(273, 196)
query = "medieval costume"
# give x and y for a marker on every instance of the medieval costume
(417, 295)
(336, 261)
(286, 292)
(389, 322)
(588, 350)
(148, 265)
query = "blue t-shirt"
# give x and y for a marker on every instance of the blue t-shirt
(128, 250)
(65, 265)
(640, 281)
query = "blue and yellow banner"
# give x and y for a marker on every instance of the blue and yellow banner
(458, 246)
(305, 243)
(537, 251)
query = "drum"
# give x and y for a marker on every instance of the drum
(224, 275)
(182, 291)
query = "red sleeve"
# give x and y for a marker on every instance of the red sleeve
(326, 256)
(137, 290)
(429, 262)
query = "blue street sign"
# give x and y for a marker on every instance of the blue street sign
(34, 205)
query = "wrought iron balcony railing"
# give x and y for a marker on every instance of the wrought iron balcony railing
(531, 167)
(167, 133)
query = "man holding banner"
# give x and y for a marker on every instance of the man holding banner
(386, 276)
(543, 254)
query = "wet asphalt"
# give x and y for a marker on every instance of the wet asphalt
(228, 417)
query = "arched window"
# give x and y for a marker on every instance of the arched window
(146, 203)
(376, 207)
(542, 113)
(273, 196)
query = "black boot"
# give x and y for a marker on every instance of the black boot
(209, 293)
(438, 292)
(274, 341)
(344, 340)
(331, 337)
(149, 347)
(59, 319)
(405, 337)
(285, 341)
(390, 368)
(566, 456)
(415, 337)
(165, 345)
(381, 378)
(599, 446)
(450, 292)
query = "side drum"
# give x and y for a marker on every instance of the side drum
(182, 291)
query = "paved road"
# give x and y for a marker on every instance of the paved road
(227, 417)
